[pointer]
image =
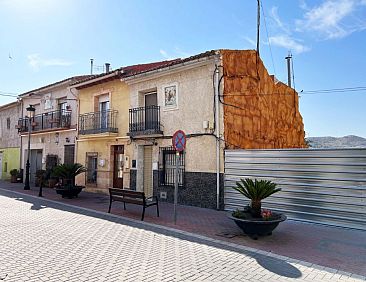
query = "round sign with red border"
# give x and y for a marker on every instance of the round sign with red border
(179, 140)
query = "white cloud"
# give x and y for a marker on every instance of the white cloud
(333, 19)
(164, 54)
(250, 41)
(277, 20)
(36, 62)
(289, 43)
(177, 53)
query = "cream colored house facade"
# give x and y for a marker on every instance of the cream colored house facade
(53, 127)
(182, 98)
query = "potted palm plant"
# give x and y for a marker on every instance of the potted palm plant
(67, 173)
(254, 220)
(14, 174)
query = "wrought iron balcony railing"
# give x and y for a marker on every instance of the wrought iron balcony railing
(144, 121)
(98, 122)
(46, 121)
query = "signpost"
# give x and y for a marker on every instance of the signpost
(179, 141)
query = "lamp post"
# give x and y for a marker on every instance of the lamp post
(30, 111)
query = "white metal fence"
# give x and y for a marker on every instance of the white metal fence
(318, 185)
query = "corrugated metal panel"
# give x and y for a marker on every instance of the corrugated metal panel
(318, 185)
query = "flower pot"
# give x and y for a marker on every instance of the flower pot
(69, 192)
(255, 227)
(13, 179)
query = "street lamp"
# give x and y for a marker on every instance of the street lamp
(30, 111)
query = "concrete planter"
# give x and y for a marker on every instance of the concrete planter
(255, 227)
(69, 192)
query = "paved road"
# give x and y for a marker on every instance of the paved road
(42, 240)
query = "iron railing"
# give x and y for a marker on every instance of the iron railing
(51, 120)
(98, 122)
(144, 121)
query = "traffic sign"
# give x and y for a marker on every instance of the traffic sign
(179, 140)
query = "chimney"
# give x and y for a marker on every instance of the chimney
(91, 66)
(107, 67)
(288, 58)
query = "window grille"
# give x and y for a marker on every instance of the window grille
(167, 163)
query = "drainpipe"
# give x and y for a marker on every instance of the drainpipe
(217, 131)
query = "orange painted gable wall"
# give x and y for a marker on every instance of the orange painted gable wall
(266, 115)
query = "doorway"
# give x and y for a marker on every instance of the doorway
(148, 174)
(103, 109)
(151, 114)
(69, 154)
(118, 154)
(35, 163)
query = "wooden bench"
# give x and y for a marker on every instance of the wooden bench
(132, 197)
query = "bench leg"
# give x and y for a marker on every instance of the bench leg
(143, 213)
(110, 205)
(157, 208)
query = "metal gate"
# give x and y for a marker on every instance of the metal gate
(318, 185)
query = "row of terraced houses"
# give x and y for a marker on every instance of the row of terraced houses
(119, 124)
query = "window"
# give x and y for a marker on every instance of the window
(8, 123)
(62, 106)
(91, 165)
(167, 163)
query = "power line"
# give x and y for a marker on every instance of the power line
(6, 92)
(335, 90)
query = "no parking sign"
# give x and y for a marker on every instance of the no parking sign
(179, 140)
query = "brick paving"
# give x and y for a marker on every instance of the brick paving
(329, 247)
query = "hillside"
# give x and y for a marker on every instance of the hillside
(349, 141)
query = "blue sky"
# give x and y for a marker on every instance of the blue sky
(43, 41)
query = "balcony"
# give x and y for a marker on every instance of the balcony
(98, 122)
(144, 121)
(46, 121)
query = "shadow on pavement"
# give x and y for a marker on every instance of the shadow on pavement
(278, 266)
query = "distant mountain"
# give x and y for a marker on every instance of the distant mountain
(349, 141)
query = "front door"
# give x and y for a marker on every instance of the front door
(118, 152)
(35, 163)
(151, 113)
(148, 174)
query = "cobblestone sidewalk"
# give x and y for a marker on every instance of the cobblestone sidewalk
(42, 240)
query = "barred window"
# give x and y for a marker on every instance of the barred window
(167, 162)
(8, 123)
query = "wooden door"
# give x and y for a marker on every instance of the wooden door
(148, 174)
(118, 154)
